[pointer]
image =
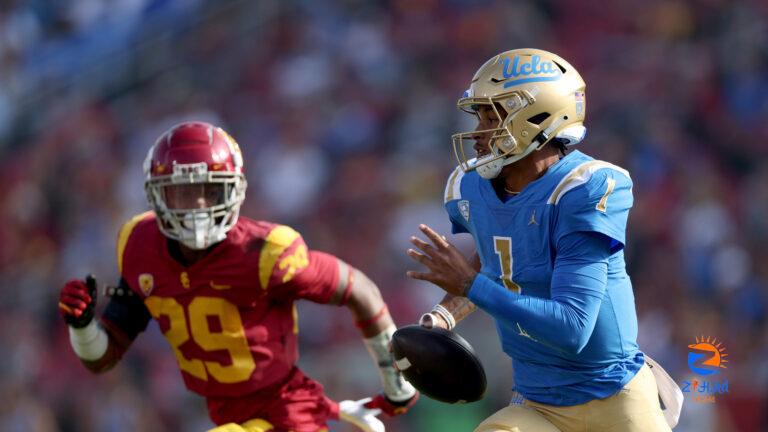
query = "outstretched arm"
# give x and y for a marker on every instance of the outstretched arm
(364, 301)
(377, 327)
(329, 280)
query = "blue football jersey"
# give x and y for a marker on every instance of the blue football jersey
(517, 244)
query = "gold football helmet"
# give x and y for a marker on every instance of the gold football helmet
(542, 96)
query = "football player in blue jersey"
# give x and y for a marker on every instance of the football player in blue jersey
(549, 229)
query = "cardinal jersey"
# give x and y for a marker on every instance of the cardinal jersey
(229, 317)
(517, 244)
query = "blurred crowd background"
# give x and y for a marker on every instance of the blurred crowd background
(344, 111)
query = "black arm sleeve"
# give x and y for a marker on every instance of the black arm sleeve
(126, 311)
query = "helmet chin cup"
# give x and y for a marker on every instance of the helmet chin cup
(491, 169)
(198, 231)
(573, 134)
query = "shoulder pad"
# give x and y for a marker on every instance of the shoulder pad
(453, 186)
(581, 175)
(125, 234)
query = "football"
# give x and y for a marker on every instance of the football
(439, 363)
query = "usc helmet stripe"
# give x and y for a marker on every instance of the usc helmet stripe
(125, 233)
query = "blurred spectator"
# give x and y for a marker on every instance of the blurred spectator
(344, 111)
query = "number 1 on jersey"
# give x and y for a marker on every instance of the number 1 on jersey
(503, 248)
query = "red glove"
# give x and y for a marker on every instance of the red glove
(391, 408)
(77, 301)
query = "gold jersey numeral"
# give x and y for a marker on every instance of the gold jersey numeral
(230, 338)
(503, 248)
(177, 333)
(602, 205)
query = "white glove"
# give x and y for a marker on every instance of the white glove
(356, 413)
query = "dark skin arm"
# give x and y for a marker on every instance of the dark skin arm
(459, 307)
(446, 266)
(364, 301)
(372, 318)
(118, 345)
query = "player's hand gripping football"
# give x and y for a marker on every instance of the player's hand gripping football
(447, 267)
(77, 301)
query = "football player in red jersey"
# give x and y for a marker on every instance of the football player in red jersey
(222, 289)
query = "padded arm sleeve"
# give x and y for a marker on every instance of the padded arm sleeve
(565, 321)
(126, 312)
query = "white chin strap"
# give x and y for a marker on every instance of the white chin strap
(491, 169)
(199, 231)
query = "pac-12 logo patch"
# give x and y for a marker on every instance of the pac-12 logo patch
(706, 356)
(146, 283)
(464, 209)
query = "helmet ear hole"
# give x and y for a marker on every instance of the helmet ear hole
(538, 118)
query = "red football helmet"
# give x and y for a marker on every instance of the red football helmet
(195, 183)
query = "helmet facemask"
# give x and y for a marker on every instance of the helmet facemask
(502, 145)
(197, 227)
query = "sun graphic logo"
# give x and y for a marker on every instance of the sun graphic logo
(707, 356)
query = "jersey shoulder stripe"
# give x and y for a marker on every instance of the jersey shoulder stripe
(279, 239)
(453, 186)
(125, 234)
(579, 176)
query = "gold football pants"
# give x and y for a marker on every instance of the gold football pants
(635, 408)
